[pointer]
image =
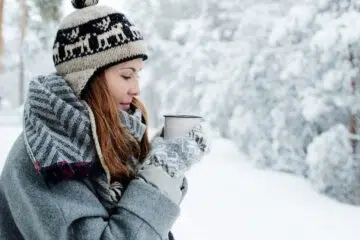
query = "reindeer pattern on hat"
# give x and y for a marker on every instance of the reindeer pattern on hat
(93, 37)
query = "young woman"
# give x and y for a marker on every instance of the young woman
(84, 167)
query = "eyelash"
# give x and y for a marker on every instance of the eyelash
(128, 78)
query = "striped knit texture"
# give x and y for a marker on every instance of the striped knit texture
(57, 130)
(133, 123)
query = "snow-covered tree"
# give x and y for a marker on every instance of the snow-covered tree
(333, 168)
(309, 72)
(29, 29)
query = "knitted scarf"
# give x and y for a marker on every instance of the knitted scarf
(60, 132)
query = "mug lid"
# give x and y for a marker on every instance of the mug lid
(182, 116)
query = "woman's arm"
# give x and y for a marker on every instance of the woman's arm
(142, 213)
(70, 210)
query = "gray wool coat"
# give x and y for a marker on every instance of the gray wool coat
(31, 209)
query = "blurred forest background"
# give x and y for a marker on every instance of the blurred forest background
(279, 78)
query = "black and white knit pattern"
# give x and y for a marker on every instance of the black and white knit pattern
(93, 37)
(57, 130)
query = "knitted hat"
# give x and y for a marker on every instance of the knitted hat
(93, 38)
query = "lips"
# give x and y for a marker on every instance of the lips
(125, 105)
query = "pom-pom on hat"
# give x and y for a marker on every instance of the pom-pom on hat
(83, 3)
(93, 38)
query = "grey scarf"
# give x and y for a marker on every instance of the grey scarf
(59, 132)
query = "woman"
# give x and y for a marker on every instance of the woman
(84, 168)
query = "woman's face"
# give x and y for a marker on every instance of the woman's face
(123, 83)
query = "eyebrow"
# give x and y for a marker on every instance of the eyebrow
(133, 69)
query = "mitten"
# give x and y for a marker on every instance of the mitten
(173, 187)
(179, 154)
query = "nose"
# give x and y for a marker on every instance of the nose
(134, 89)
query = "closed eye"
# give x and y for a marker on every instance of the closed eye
(126, 77)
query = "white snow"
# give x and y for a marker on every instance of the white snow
(230, 199)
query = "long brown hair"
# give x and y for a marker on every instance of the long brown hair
(116, 143)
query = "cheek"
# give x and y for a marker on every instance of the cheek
(119, 90)
(121, 94)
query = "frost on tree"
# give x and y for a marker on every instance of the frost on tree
(333, 168)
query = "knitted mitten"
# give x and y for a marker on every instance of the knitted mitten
(173, 187)
(133, 123)
(177, 155)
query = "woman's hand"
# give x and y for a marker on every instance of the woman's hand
(178, 155)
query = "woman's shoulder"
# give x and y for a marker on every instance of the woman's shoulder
(17, 151)
(17, 161)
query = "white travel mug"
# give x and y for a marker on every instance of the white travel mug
(179, 125)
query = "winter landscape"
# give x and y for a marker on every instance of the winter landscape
(230, 199)
(278, 81)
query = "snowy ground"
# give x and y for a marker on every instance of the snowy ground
(228, 199)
